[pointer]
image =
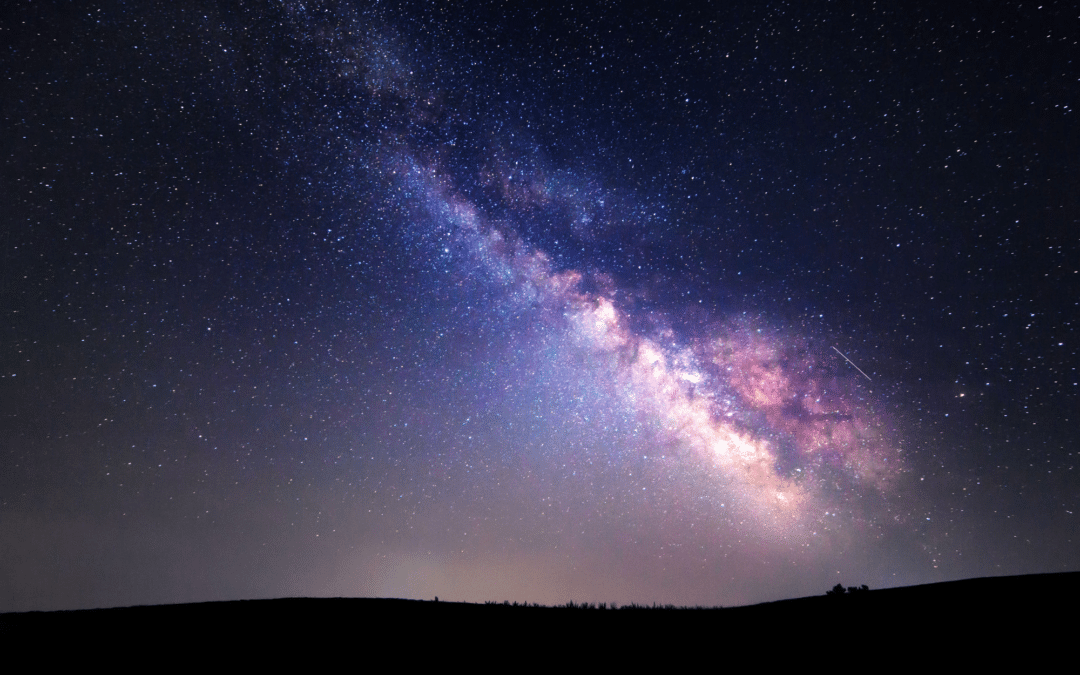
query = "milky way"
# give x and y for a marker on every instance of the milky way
(770, 414)
(703, 308)
(703, 391)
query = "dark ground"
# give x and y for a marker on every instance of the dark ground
(973, 619)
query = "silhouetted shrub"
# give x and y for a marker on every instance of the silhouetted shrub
(839, 590)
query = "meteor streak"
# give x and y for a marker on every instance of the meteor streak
(853, 365)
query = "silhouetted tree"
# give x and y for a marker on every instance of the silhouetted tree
(839, 589)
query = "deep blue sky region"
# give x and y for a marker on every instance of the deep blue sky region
(690, 303)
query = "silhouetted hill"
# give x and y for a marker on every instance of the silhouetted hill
(1018, 609)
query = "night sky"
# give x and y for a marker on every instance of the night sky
(683, 304)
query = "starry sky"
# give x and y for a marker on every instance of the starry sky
(690, 303)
